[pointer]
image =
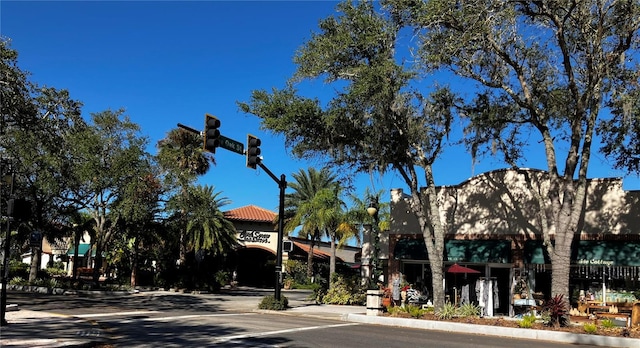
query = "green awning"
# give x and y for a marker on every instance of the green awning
(605, 253)
(535, 253)
(480, 251)
(82, 250)
(410, 249)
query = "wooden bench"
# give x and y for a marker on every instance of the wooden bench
(620, 316)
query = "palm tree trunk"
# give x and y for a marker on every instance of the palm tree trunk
(332, 260)
(310, 258)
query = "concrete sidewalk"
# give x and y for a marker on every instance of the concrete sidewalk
(29, 328)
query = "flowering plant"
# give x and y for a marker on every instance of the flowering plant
(386, 292)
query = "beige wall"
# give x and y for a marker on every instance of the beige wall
(499, 203)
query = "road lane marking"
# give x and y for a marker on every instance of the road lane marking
(180, 317)
(278, 332)
(114, 314)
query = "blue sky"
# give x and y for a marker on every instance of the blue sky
(171, 62)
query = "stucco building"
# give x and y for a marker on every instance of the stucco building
(492, 226)
(254, 262)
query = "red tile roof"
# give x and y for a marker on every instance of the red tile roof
(250, 213)
(316, 252)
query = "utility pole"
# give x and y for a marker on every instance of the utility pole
(282, 184)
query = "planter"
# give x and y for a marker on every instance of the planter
(374, 302)
(386, 302)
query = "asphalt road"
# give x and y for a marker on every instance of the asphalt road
(164, 319)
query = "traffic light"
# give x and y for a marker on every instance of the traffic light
(19, 209)
(253, 151)
(211, 133)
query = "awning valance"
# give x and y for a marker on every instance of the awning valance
(83, 248)
(604, 253)
(479, 251)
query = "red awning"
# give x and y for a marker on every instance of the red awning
(456, 268)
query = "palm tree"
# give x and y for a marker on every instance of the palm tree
(329, 213)
(298, 204)
(80, 222)
(358, 211)
(207, 228)
(181, 155)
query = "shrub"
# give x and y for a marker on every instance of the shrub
(557, 310)
(345, 291)
(607, 324)
(48, 283)
(448, 311)
(222, 278)
(297, 271)
(395, 310)
(55, 272)
(590, 328)
(269, 302)
(414, 311)
(18, 281)
(18, 269)
(527, 321)
(468, 310)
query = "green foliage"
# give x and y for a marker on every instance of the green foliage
(345, 291)
(222, 277)
(395, 310)
(557, 309)
(207, 228)
(468, 310)
(590, 328)
(18, 281)
(297, 271)
(46, 282)
(18, 269)
(607, 324)
(270, 303)
(527, 321)
(414, 311)
(55, 272)
(447, 311)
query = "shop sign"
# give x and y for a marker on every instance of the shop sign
(254, 237)
(595, 262)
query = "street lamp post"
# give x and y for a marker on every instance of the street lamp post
(372, 210)
(5, 261)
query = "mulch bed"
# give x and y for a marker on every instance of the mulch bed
(577, 328)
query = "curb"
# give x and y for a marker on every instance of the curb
(532, 334)
(61, 291)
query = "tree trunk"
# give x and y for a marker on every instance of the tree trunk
(134, 265)
(36, 255)
(76, 246)
(97, 269)
(332, 260)
(310, 259)
(425, 204)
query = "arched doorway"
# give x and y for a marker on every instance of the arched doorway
(256, 267)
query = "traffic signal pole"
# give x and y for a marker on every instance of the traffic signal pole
(213, 139)
(282, 184)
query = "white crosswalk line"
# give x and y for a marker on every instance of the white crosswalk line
(270, 333)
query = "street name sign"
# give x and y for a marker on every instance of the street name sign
(231, 145)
